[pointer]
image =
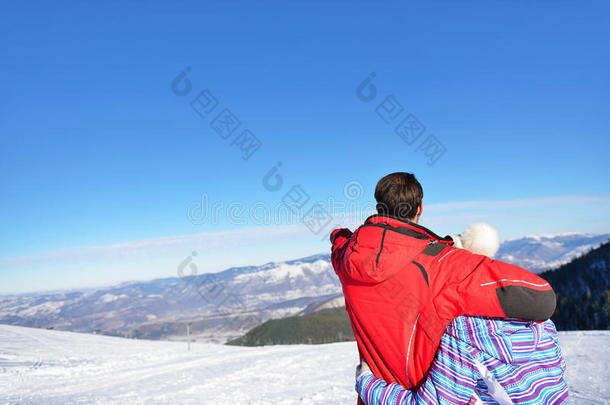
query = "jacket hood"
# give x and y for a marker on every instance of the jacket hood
(383, 245)
(511, 341)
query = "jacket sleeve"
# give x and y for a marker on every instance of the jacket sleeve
(375, 391)
(339, 238)
(480, 286)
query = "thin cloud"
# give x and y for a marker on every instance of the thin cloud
(446, 217)
(202, 242)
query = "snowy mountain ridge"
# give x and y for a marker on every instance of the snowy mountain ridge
(552, 235)
(226, 304)
(220, 305)
(538, 253)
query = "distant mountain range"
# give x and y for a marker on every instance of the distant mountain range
(218, 306)
(224, 305)
(544, 252)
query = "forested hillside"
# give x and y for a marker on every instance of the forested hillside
(583, 291)
(325, 326)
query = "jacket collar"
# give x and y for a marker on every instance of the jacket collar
(395, 222)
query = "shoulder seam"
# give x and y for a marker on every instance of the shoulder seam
(380, 247)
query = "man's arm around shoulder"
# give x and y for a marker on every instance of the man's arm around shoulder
(480, 286)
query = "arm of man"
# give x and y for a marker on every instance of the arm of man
(339, 239)
(480, 286)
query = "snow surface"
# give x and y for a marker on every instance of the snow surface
(40, 366)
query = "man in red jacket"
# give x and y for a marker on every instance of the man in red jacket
(403, 284)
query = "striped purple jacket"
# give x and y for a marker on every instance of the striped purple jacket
(484, 360)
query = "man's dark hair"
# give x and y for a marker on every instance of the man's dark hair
(399, 194)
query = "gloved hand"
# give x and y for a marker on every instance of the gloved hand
(362, 368)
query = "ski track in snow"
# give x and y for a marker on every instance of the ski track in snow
(54, 367)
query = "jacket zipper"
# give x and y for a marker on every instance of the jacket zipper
(409, 348)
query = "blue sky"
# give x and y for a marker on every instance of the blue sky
(100, 160)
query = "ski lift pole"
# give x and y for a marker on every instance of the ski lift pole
(188, 337)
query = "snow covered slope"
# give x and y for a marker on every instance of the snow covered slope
(40, 366)
(543, 252)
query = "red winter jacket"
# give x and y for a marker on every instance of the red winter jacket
(403, 284)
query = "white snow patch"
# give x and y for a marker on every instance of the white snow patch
(108, 298)
(46, 308)
(53, 367)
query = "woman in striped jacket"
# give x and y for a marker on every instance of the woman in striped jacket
(485, 361)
